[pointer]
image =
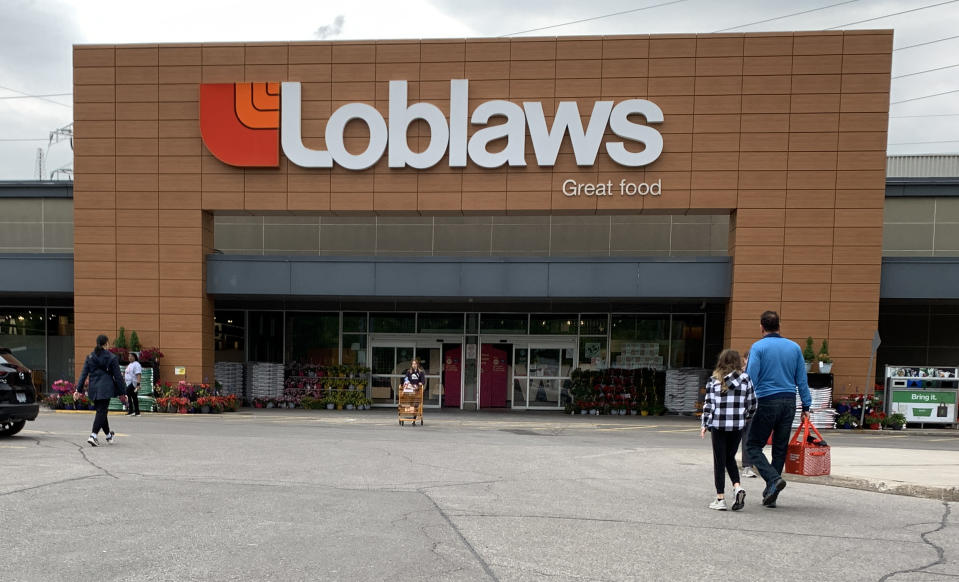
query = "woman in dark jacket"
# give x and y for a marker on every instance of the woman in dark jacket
(103, 369)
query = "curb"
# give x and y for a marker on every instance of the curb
(114, 412)
(894, 488)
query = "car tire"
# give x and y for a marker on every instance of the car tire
(13, 428)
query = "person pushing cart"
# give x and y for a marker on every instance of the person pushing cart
(411, 394)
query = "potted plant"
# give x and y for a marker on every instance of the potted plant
(874, 420)
(896, 421)
(808, 354)
(825, 362)
(846, 420)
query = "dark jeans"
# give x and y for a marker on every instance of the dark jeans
(725, 443)
(743, 455)
(133, 403)
(102, 406)
(773, 415)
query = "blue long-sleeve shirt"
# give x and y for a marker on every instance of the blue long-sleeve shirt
(776, 366)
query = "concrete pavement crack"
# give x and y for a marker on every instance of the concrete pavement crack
(50, 484)
(940, 553)
(466, 542)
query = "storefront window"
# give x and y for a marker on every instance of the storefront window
(686, 348)
(504, 323)
(266, 336)
(354, 322)
(313, 338)
(354, 349)
(229, 342)
(24, 332)
(593, 352)
(440, 322)
(393, 322)
(60, 358)
(552, 324)
(594, 324)
(639, 341)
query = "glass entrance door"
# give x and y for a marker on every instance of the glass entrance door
(541, 375)
(387, 365)
(391, 358)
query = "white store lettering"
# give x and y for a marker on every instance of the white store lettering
(450, 135)
(623, 188)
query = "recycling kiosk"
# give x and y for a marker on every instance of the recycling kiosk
(925, 395)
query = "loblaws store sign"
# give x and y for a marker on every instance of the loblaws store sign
(245, 124)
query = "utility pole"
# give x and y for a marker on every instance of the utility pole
(38, 170)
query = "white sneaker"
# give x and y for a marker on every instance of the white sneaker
(93, 441)
(748, 472)
(719, 504)
(111, 438)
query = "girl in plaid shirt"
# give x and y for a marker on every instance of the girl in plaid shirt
(730, 402)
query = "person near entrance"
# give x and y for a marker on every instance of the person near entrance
(131, 378)
(103, 370)
(729, 404)
(415, 376)
(777, 369)
(747, 470)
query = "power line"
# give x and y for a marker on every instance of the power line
(35, 96)
(924, 115)
(926, 71)
(923, 97)
(922, 142)
(902, 48)
(786, 16)
(595, 18)
(893, 14)
(43, 97)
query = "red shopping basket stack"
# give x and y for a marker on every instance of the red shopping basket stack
(807, 456)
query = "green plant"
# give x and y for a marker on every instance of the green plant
(846, 420)
(896, 420)
(823, 355)
(121, 341)
(808, 354)
(135, 344)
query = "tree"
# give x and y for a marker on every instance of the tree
(121, 341)
(134, 342)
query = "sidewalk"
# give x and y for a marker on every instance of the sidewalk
(915, 472)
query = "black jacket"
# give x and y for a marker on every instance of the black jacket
(100, 367)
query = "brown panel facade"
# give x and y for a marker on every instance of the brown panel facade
(786, 132)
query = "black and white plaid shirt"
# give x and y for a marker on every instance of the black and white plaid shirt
(731, 410)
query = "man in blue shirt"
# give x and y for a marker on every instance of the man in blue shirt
(777, 369)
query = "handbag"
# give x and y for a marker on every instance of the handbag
(805, 455)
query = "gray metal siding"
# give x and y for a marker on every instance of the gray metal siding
(919, 278)
(924, 166)
(37, 273)
(703, 278)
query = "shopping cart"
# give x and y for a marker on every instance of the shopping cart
(411, 404)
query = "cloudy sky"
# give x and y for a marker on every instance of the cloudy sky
(36, 38)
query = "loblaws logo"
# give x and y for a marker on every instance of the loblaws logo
(243, 124)
(240, 123)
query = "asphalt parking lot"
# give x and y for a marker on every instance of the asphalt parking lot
(321, 495)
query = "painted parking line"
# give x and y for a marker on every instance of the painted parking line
(680, 430)
(629, 428)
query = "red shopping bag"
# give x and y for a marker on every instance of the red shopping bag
(807, 456)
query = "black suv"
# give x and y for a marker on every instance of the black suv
(18, 398)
